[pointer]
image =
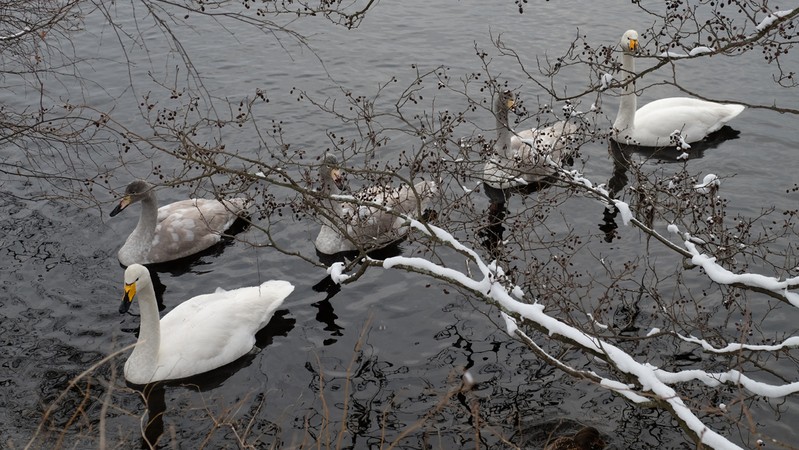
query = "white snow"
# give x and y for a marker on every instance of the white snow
(336, 272)
(708, 183)
(597, 323)
(15, 35)
(771, 18)
(678, 139)
(701, 50)
(624, 209)
(468, 379)
(605, 81)
(510, 323)
(672, 54)
(791, 342)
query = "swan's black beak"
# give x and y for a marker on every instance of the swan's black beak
(124, 203)
(338, 178)
(127, 299)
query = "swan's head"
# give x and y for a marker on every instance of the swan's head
(505, 102)
(136, 191)
(331, 171)
(629, 41)
(136, 277)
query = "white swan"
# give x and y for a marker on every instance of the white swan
(367, 226)
(529, 156)
(198, 335)
(175, 230)
(653, 124)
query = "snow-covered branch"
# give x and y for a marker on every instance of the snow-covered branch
(649, 382)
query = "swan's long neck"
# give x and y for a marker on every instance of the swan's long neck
(329, 188)
(145, 229)
(503, 146)
(625, 119)
(145, 354)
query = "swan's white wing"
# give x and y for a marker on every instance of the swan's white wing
(655, 121)
(211, 330)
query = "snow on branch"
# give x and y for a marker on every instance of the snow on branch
(771, 18)
(646, 376)
(767, 285)
(791, 342)
(732, 377)
(723, 276)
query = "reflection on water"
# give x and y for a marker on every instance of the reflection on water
(325, 313)
(672, 154)
(155, 404)
(492, 230)
(496, 195)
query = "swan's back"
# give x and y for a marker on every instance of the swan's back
(556, 141)
(190, 226)
(694, 118)
(211, 330)
(375, 223)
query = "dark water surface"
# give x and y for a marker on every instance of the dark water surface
(389, 349)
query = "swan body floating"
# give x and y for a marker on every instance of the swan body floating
(529, 156)
(586, 438)
(369, 226)
(653, 124)
(175, 230)
(540, 151)
(198, 335)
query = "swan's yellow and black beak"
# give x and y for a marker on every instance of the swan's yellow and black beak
(337, 177)
(633, 45)
(127, 299)
(124, 203)
(511, 103)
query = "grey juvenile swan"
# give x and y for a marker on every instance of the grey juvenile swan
(369, 226)
(175, 230)
(530, 155)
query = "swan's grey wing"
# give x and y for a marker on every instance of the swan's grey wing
(412, 201)
(501, 174)
(380, 223)
(167, 210)
(329, 241)
(192, 226)
(554, 142)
